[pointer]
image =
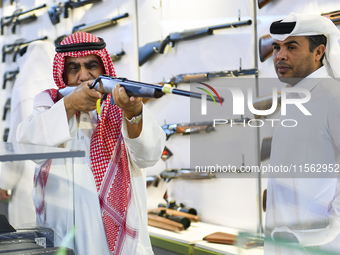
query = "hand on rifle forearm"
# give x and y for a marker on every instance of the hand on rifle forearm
(3, 194)
(81, 99)
(131, 106)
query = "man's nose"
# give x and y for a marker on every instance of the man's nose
(84, 75)
(282, 54)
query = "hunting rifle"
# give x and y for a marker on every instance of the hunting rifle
(55, 11)
(193, 128)
(183, 173)
(15, 47)
(15, 20)
(265, 42)
(150, 49)
(93, 26)
(106, 83)
(204, 76)
(9, 76)
(262, 3)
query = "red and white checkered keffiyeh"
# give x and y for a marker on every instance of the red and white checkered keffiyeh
(109, 160)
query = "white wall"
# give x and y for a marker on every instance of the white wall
(227, 201)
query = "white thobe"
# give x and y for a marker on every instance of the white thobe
(302, 205)
(35, 76)
(70, 194)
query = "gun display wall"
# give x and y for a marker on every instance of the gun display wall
(166, 43)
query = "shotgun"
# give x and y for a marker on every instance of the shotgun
(164, 223)
(99, 24)
(106, 83)
(204, 76)
(14, 19)
(150, 49)
(55, 11)
(265, 42)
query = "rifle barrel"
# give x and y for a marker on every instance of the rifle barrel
(232, 25)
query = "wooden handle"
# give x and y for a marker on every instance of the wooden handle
(265, 47)
(194, 78)
(161, 222)
(191, 217)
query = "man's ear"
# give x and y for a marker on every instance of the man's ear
(319, 52)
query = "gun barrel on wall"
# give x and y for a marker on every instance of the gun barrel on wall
(150, 49)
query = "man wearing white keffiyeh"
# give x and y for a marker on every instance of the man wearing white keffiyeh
(109, 186)
(306, 55)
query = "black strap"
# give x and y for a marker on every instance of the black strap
(280, 28)
(81, 46)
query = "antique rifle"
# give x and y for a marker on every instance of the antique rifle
(265, 41)
(204, 76)
(55, 11)
(106, 83)
(150, 49)
(9, 76)
(15, 20)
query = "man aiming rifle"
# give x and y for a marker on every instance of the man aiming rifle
(118, 140)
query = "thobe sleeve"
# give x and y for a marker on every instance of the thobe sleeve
(317, 237)
(147, 148)
(48, 124)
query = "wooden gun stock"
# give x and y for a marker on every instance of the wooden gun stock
(191, 217)
(161, 222)
(333, 16)
(220, 237)
(266, 49)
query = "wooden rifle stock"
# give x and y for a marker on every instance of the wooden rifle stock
(262, 3)
(266, 49)
(161, 222)
(333, 16)
(220, 237)
(191, 217)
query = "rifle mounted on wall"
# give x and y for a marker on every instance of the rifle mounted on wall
(16, 20)
(150, 49)
(55, 11)
(15, 47)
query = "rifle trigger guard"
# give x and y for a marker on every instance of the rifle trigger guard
(94, 83)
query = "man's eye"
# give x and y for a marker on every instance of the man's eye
(276, 47)
(93, 66)
(291, 47)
